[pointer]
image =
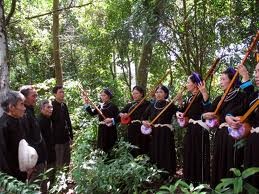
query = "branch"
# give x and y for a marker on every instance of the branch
(51, 12)
(11, 12)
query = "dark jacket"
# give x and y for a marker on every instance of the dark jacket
(33, 134)
(11, 133)
(47, 132)
(61, 123)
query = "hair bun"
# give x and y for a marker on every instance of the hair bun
(196, 77)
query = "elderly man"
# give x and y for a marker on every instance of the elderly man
(33, 132)
(45, 123)
(11, 133)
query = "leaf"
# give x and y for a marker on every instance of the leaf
(250, 188)
(227, 181)
(164, 188)
(184, 184)
(238, 185)
(200, 187)
(162, 192)
(235, 171)
(250, 171)
(224, 184)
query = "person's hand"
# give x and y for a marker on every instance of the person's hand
(108, 121)
(243, 72)
(179, 99)
(146, 124)
(209, 115)
(179, 115)
(202, 87)
(233, 122)
(85, 98)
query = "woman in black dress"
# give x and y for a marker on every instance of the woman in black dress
(162, 150)
(251, 157)
(225, 154)
(107, 132)
(135, 137)
(196, 160)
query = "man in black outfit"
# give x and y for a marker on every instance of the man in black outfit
(11, 133)
(33, 133)
(62, 127)
(45, 123)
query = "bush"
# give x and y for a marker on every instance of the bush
(117, 173)
(9, 184)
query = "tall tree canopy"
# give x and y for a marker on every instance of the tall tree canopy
(125, 42)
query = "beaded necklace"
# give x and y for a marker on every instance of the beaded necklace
(103, 106)
(133, 105)
(231, 95)
(157, 107)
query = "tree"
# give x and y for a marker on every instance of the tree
(4, 79)
(150, 36)
(56, 54)
(3, 56)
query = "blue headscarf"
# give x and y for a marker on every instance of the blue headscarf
(196, 78)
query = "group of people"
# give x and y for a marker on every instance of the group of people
(49, 134)
(160, 144)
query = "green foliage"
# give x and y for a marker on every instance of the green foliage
(117, 173)
(182, 186)
(237, 184)
(60, 183)
(9, 184)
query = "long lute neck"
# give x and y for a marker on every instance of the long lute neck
(166, 107)
(151, 91)
(250, 110)
(210, 72)
(236, 74)
(91, 102)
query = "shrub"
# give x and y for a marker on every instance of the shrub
(117, 173)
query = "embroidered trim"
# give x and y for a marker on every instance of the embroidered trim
(245, 84)
(223, 125)
(251, 103)
(202, 124)
(255, 130)
(164, 125)
(136, 121)
(133, 105)
(231, 95)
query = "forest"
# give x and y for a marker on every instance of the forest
(118, 44)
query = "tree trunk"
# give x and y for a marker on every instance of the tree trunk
(144, 63)
(3, 56)
(56, 55)
(150, 36)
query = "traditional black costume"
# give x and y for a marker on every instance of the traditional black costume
(135, 137)
(196, 158)
(251, 149)
(225, 154)
(107, 135)
(162, 150)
